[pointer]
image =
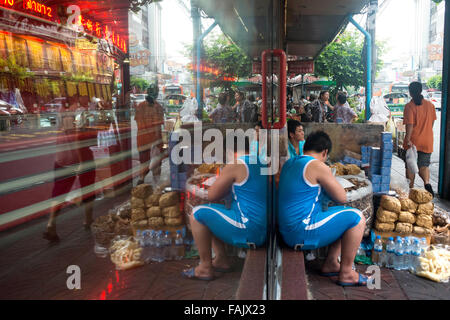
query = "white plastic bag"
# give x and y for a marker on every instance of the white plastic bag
(411, 159)
(379, 110)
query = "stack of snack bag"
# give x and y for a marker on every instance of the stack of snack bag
(154, 209)
(406, 215)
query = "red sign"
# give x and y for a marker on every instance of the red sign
(301, 67)
(37, 8)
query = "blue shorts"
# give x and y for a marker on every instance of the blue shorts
(323, 228)
(227, 225)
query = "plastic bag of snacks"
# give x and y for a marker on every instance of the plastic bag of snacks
(359, 196)
(126, 253)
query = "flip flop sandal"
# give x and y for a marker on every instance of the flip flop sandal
(362, 282)
(190, 274)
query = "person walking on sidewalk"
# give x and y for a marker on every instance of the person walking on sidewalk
(418, 117)
(305, 181)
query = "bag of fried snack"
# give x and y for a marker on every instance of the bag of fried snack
(422, 230)
(402, 227)
(424, 220)
(425, 208)
(152, 200)
(386, 216)
(168, 199)
(171, 212)
(153, 212)
(391, 204)
(407, 217)
(175, 221)
(141, 191)
(155, 222)
(137, 203)
(137, 214)
(384, 226)
(420, 195)
(408, 205)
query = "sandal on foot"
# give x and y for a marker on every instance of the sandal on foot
(362, 282)
(190, 274)
(52, 237)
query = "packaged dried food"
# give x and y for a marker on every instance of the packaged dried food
(137, 203)
(424, 220)
(403, 227)
(142, 191)
(440, 217)
(386, 216)
(407, 217)
(154, 212)
(155, 222)
(422, 230)
(126, 253)
(173, 221)
(408, 205)
(360, 196)
(420, 195)
(352, 169)
(137, 214)
(169, 199)
(171, 212)
(152, 200)
(425, 208)
(384, 226)
(434, 265)
(390, 203)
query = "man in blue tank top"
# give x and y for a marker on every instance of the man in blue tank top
(304, 181)
(243, 224)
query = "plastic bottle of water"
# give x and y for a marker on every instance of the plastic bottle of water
(406, 253)
(398, 260)
(167, 246)
(159, 247)
(415, 254)
(377, 251)
(178, 252)
(390, 252)
(423, 246)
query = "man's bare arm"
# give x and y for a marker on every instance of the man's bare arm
(222, 185)
(326, 179)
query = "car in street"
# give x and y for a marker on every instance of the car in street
(436, 98)
(10, 115)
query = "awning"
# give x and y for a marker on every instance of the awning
(307, 26)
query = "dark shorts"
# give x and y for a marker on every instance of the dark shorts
(423, 159)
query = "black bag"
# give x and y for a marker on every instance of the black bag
(250, 113)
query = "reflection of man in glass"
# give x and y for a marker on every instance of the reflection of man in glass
(149, 117)
(69, 162)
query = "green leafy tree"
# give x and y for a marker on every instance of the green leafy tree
(139, 83)
(342, 60)
(435, 82)
(225, 60)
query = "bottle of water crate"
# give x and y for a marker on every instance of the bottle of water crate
(178, 246)
(377, 251)
(415, 255)
(423, 246)
(390, 252)
(398, 260)
(167, 240)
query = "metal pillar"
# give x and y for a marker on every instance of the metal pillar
(444, 160)
(368, 64)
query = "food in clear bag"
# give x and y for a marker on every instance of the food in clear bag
(359, 196)
(401, 186)
(434, 265)
(126, 253)
(420, 195)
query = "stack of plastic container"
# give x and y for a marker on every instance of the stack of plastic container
(380, 161)
(178, 172)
